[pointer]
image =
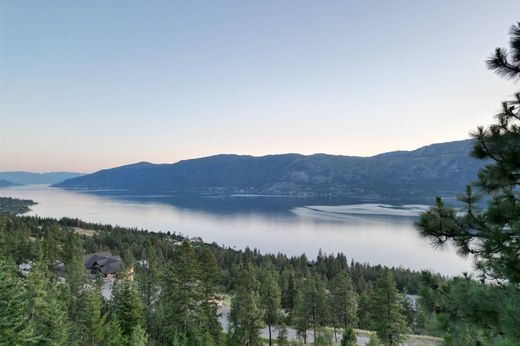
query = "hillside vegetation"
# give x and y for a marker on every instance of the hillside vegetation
(438, 169)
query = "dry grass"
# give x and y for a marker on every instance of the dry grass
(85, 232)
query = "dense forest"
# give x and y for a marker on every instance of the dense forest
(178, 287)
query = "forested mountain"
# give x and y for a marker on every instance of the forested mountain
(29, 178)
(437, 169)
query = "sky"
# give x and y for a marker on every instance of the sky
(87, 85)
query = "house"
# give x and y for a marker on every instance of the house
(104, 263)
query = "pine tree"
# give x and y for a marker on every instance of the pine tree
(113, 334)
(270, 299)
(314, 298)
(348, 338)
(47, 310)
(50, 248)
(245, 317)
(75, 280)
(182, 296)
(300, 317)
(89, 320)
(288, 288)
(138, 337)
(504, 63)
(209, 275)
(374, 341)
(127, 307)
(344, 300)
(148, 277)
(323, 337)
(364, 321)
(15, 328)
(282, 338)
(486, 227)
(386, 310)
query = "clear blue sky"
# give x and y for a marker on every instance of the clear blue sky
(86, 85)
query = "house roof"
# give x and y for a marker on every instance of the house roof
(103, 261)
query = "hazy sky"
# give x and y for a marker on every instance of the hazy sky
(86, 85)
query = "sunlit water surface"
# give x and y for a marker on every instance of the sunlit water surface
(372, 233)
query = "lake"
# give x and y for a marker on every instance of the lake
(373, 233)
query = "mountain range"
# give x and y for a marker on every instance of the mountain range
(439, 169)
(29, 178)
(7, 183)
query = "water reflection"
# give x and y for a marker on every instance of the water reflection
(368, 232)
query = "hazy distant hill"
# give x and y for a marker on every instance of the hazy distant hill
(437, 169)
(28, 178)
(6, 183)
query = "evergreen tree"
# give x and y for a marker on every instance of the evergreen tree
(50, 248)
(47, 310)
(344, 300)
(282, 338)
(113, 334)
(504, 63)
(89, 320)
(300, 317)
(288, 288)
(374, 341)
(209, 275)
(75, 280)
(314, 298)
(183, 297)
(386, 310)
(127, 307)
(270, 299)
(138, 337)
(245, 317)
(310, 310)
(348, 338)
(487, 227)
(148, 277)
(364, 321)
(323, 337)
(15, 328)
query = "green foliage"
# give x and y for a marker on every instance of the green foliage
(89, 322)
(14, 205)
(187, 299)
(138, 337)
(323, 337)
(282, 338)
(270, 299)
(386, 311)
(127, 307)
(15, 328)
(47, 310)
(113, 334)
(348, 338)
(147, 275)
(504, 63)
(466, 311)
(245, 317)
(344, 300)
(374, 341)
(177, 287)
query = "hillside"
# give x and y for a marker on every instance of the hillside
(7, 183)
(437, 169)
(29, 178)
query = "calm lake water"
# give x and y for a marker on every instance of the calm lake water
(377, 234)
